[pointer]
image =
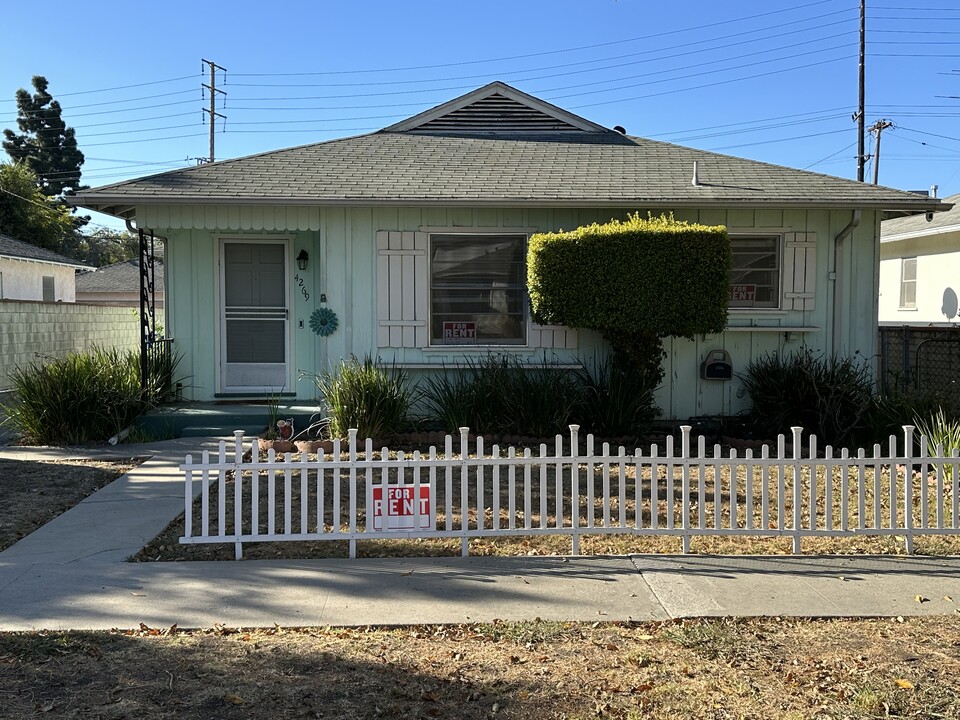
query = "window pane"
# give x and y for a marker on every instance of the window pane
(754, 272)
(908, 282)
(478, 289)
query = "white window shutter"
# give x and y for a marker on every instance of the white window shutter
(799, 270)
(552, 336)
(402, 289)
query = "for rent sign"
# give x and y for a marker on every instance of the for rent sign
(396, 507)
(459, 332)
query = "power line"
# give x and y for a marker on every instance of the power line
(117, 87)
(843, 149)
(589, 62)
(543, 53)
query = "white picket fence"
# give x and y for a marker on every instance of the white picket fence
(360, 493)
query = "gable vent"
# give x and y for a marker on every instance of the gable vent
(496, 113)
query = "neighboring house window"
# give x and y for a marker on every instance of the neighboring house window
(478, 289)
(908, 283)
(49, 289)
(754, 271)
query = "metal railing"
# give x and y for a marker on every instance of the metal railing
(357, 493)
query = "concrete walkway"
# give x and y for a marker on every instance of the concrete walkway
(72, 574)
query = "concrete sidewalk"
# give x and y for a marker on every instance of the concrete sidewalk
(72, 574)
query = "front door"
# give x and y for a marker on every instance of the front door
(254, 346)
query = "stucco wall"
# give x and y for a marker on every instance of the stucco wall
(23, 280)
(938, 280)
(343, 267)
(31, 328)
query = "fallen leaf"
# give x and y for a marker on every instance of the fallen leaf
(905, 684)
(948, 598)
(408, 572)
(921, 598)
(644, 637)
(138, 594)
(234, 699)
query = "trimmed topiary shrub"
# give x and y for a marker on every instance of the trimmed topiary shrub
(657, 277)
(634, 281)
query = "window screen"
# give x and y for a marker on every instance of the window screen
(754, 272)
(478, 289)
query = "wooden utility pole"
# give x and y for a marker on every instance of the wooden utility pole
(212, 110)
(877, 128)
(861, 107)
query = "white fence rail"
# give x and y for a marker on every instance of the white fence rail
(360, 493)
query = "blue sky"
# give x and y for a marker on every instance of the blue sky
(775, 81)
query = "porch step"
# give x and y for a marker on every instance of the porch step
(217, 419)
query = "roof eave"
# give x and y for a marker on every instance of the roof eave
(125, 207)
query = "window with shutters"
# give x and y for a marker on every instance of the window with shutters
(754, 271)
(478, 290)
(908, 283)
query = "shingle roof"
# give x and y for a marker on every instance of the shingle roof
(419, 165)
(919, 225)
(9, 247)
(119, 277)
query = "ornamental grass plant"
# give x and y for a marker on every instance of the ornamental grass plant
(82, 397)
(365, 395)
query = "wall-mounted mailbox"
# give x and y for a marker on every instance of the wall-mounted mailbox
(717, 366)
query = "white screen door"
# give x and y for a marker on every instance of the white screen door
(254, 332)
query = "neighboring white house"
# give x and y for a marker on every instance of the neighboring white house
(28, 272)
(920, 269)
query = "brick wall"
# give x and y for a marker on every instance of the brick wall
(29, 328)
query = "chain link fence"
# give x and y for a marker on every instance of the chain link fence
(922, 360)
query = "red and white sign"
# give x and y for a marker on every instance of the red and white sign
(743, 293)
(455, 332)
(395, 507)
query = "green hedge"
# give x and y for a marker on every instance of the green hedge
(656, 277)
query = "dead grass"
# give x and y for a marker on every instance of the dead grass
(773, 669)
(34, 493)
(661, 504)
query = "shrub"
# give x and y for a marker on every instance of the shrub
(655, 277)
(635, 282)
(81, 397)
(366, 396)
(499, 394)
(828, 396)
(617, 400)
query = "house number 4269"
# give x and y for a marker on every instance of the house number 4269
(303, 288)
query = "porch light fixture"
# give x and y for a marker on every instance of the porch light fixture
(302, 259)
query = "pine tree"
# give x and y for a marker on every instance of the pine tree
(44, 144)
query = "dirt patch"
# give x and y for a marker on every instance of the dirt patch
(34, 493)
(777, 669)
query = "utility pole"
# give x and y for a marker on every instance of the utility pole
(878, 127)
(212, 110)
(861, 107)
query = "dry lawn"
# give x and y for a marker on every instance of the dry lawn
(661, 503)
(773, 669)
(34, 493)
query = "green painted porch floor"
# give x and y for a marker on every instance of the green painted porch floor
(204, 419)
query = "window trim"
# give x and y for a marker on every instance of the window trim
(432, 343)
(779, 234)
(53, 288)
(903, 282)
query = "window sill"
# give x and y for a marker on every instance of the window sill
(907, 309)
(772, 328)
(457, 364)
(766, 312)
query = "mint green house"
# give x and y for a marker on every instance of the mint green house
(414, 237)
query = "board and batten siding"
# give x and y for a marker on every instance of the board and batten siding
(347, 259)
